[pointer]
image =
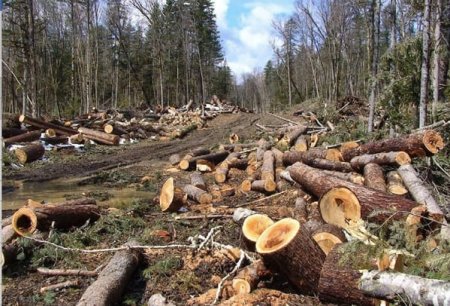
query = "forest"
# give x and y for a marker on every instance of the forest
(63, 57)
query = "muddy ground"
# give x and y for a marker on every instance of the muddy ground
(179, 275)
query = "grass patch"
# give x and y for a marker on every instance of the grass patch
(163, 268)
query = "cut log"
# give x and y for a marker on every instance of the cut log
(76, 139)
(420, 144)
(253, 226)
(174, 159)
(246, 185)
(171, 198)
(300, 212)
(56, 140)
(11, 132)
(264, 186)
(238, 163)
(414, 289)
(352, 177)
(189, 164)
(29, 153)
(315, 220)
(339, 282)
(100, 137)
(291, 157)
(197, 180)
(292, 136)
(114, 129)
(263, 146)
(395, 183)
(66, 272)
(267, 168)
(197, 194)
(27, 137)
(222, 169)
(301, 144)
(326, 164)
(247, 279)
(374, 177)
(240, 214)
(278, 155)
(50, 133)
(26, 220)
(349, 145)
(286, 239)
(422, 195)
(240, 146)
(199, 151)
(8, 234)
(203, 165)
(388, 158)
(327, 236)
(342, 201)
(59, 129)
(112, 281)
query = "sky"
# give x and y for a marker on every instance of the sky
(246, 31)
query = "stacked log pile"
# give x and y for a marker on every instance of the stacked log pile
(352, 183)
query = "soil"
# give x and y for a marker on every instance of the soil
(176, 274)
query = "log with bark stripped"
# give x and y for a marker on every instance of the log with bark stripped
(342, 201)
(286, 239)
(171, 198)
(383, 158)
(59, 129)
(29, 153)
(26, 137)
(374, 177)
(291, 157)
(254, 225)
(420, 144)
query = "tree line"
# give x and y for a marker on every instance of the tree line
(63, 57)
(394, 53)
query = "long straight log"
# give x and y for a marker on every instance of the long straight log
(342, 201)
(384, 158)
(267, 167)
(112, 281)
(188, 164)
(27, 137)
(420, 144)
(291, 157)
(326, 164)
(98, 136)
(26, 220)
(61, 130)
(11, 132)
(29, 153)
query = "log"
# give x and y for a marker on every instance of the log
(29, 153)
(420, 144)
(234, 138)
(26, 137)
(384, 158)
(76, 139)
(278, 155)
(326, 164)
(254, 225)
(59, 129)
(189, 164)
(395, 183)
(66, 272)
(203, 165)
(327, 236)
(300, 212)
(291, 157)
(171, 198)
(286, 239)
(301, 144)
(174, 159)
(26, 220)
(267, 168)
(197, 180)
(197, 194)
(353, 177)
(342, 201)
(339, 282)
(199, 151)
(114, 129)
(100, 137)
(66, 284)
(247, 279)
(263, 186)
(315, 220)
(241, 163)
(8, 234)
(112, 281)
(240, 214)
(414, 289)
(223, 168)
(56, 140)
(349, 145)
(50, 133)
(422, 195)
(374, 177)
(263, 146)
(10, 132)
(240, 146)
(292, 136)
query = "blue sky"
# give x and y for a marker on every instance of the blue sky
(246, 30)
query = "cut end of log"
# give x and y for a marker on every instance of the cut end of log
(402, 158)
(277, 236)
(255, 225)
(109, 128)
(334, 155)
(50, 133)
(397, 189)
(326, 241)
(184, 164)
(241, 286)
(24, 221)
(270, 185)
(340, 206)
(171, 198)
(22, 118)
(301, 147)
(348, 145)
(246, 185)
(432, 140)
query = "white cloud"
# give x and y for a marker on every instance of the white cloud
(221, 9)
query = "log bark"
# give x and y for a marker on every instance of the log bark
(267, 168)
(414, 289)
(237, 146)
(395, 183)
(26, 220)
(300, 212)
(301, 144)
(240, 214)
(171, 198)
(174, 159)
(56, 140)
(112, 281)
(278, 155)
(27, 137)
(287, 239)
(327, 236)
(374, 177)
(223, 168)
(292, 136)
(264, 186)
(247, 279)
(189, 164)
(352, 177)
(197, 194)
(291, 157)
(114, 129)
(59, 129)
(384, 158)
(8, 234)
(315, 220)
(11, 132)
(199, 151)
(29, 153)
(254, 225)
(341, 201)
(100, 137)
(197, 180)
(326, 164)
(420, 144)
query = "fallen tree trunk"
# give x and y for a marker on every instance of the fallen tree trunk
(29, 153)
(189, 164)
(286, 239)
(171, 198)
(389, 158)
(342, 201)
(247, 279)
(112, 281)
(374, 177)
(59, 129)
(26, 220)
(292, 136)
(101, 137)
(415, 145)
(197, 194)
(254, 225)
(27, 137)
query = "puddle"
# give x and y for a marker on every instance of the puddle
(56, 191)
